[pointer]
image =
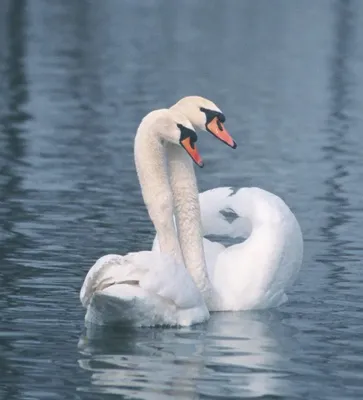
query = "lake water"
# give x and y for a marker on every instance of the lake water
(76, 77)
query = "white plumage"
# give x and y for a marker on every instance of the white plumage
(185, 275)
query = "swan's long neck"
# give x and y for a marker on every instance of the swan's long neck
(187, 212)
(150, 163)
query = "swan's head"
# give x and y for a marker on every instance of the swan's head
(174, 127)
(206, 116)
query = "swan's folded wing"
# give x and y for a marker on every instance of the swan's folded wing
(107, 271)
(212, 202)
(166, 278)
(155, 272)
(216, 204)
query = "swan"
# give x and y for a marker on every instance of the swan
(153, 288)
(252, 274)
(150, 288)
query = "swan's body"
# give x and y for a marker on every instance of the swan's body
(141, 289)
(255, 273)
(155, 288)
(148, 288)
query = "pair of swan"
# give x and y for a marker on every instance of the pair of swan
(185, 276)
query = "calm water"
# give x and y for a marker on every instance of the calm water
(76, 78)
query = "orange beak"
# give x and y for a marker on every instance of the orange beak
(192, 150)
(218, 130)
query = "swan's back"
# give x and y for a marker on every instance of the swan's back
(271, 212)
(256, 272)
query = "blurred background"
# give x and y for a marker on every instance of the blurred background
(76, 77)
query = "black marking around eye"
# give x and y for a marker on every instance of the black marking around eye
(187, 133)
(210, 114)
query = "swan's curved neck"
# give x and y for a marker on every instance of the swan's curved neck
(188, 219)
(165, 194)
(150, 162)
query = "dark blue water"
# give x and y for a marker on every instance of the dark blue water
(76, 77)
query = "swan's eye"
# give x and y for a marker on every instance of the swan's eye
(188, 137)
(214, 125)
(211, 114)
(187, 133)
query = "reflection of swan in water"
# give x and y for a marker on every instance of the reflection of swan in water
(231, 355)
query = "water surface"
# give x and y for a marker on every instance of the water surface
(76, 79)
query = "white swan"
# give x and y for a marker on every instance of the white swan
(142, 289)
(250, 275)
(149, 288)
